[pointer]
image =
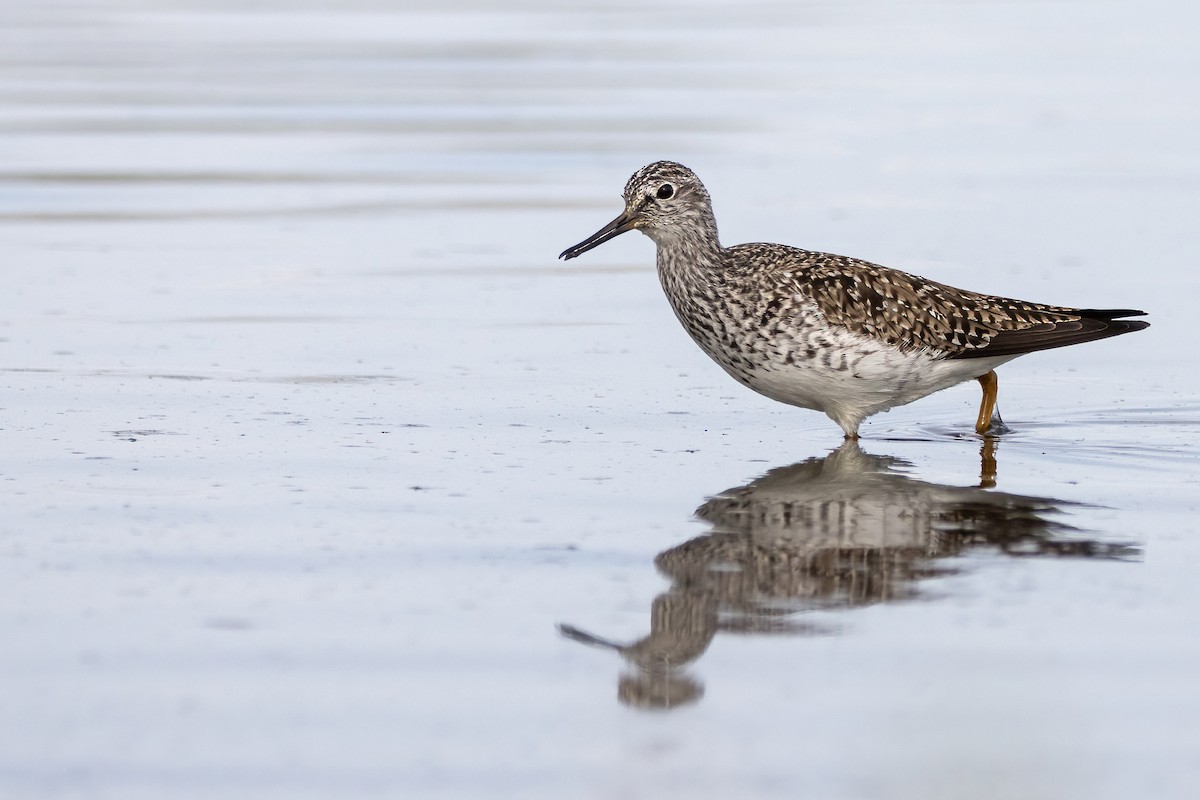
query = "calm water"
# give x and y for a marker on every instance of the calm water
(319, 471)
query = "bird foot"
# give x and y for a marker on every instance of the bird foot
(995, 427)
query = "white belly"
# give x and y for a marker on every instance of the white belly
(850, 377)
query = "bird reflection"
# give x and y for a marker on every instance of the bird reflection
(846, 530)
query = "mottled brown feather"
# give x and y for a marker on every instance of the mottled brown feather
(913, 313)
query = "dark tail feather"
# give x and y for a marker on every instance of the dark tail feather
(1092, 324)
(1112, 313)
(1115, 326)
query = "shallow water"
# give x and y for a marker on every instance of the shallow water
(311, 450)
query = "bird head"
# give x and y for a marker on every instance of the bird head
(663, 200)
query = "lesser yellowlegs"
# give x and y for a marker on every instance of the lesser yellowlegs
(827, 332)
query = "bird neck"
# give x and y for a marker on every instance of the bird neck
(691, 251)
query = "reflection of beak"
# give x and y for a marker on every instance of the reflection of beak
(610, 231)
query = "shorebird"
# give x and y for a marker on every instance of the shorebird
(828, 332)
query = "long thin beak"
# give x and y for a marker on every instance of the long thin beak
(610, 231)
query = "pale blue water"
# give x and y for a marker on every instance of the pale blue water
(308, 444)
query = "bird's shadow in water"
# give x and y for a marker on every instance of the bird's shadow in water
(845, 530)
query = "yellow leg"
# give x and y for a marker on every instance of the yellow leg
(990, 386)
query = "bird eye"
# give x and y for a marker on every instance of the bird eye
(665, 191)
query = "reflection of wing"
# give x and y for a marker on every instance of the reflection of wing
(851, 529)
(855, 500)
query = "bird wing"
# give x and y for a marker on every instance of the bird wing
(913, 313)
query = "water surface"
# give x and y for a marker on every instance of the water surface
(310, 449)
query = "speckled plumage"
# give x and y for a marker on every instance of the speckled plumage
(823, 331)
